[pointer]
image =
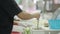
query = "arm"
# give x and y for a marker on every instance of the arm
(25, 15)
(11, 8)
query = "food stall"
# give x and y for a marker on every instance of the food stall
(48, 9)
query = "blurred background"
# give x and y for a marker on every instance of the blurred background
(48, 9)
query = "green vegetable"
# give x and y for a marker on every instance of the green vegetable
(27, 30)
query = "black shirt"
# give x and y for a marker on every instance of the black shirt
(8, 8)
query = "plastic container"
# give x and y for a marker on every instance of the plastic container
(54, 24)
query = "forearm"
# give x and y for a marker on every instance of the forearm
(24, 16)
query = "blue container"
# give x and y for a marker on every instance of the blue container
(54, 24)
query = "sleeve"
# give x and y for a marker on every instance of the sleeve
(11, 7)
